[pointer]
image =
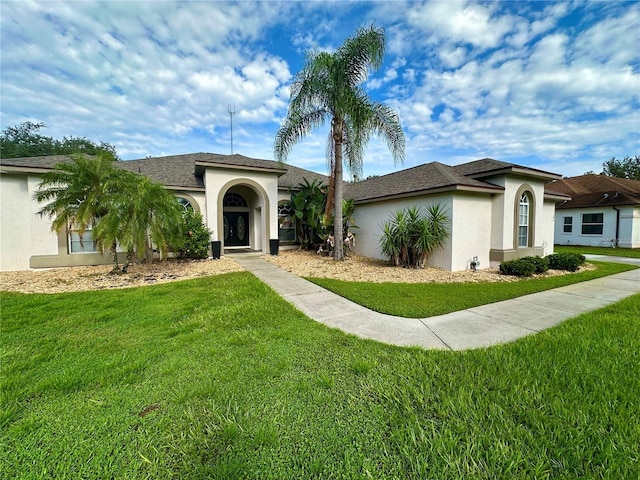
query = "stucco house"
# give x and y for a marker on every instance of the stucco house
(498, 210)
(602, 211)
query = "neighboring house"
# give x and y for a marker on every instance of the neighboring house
(498, 210)
(602, 211)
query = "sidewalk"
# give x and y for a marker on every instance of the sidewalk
(476, 327)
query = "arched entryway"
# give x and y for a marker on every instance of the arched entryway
(236, 221)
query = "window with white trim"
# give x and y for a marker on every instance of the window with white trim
(592, 223)
(567, 226)
(523, 221)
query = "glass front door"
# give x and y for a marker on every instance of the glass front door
(236, 229)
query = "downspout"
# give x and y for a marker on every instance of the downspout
(617, 225)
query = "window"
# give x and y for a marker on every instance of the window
(184, 203)
(568, 225)
(286, 226)
(81, 243)
(523, 221)
(592, 223)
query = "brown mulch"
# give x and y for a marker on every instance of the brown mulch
(301, 263)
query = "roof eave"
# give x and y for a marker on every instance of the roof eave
(228, 166)
(516, 170)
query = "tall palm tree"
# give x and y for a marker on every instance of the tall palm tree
(329, 87)
(78, 193)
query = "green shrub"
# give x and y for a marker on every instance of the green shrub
(540, 264)
(517, 268)
(565, 261)
(196, 236)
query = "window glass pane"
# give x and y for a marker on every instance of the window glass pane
(592, 223)
(568, 225)
(81, 245)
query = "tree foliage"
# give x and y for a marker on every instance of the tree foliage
(328, 88)
(413, 233)
(628, 167)
(122, 208)
(25, 140)
(196, 236)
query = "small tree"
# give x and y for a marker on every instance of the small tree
(412, 234)
(196, 236)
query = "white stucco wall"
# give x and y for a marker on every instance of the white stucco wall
(545, 230)
(264, 211)
(629, 228)
(22, 232)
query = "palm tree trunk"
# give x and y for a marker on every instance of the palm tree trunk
(338, 249)
(114, 252)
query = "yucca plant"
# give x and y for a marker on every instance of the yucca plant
(412, 234)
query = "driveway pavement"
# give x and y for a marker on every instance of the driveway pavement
(476, 327)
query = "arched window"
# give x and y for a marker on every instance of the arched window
(232, 199)
(524, 220)
(184, 203)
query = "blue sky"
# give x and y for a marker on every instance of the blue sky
(551, 85)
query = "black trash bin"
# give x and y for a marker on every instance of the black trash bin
(274, 246)
(215, 249)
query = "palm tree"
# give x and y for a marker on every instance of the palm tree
(78, 193)
(142, 214)
(329, 87)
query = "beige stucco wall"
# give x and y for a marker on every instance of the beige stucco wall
(471, 230)
(261, 192)
(370, 217)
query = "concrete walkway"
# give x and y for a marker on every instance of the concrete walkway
(476, 327)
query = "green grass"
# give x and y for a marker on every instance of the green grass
(221, 378)
(614, 252)
(420, 300)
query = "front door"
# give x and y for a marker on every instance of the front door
(236, 229)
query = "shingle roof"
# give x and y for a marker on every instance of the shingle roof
(488, 166)
(413, 181)
(186, 172)
(596, 191)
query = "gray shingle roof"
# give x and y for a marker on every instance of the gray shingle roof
(488, 166)
(414, 181)
(186, 172)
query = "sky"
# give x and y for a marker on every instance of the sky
(549, 85)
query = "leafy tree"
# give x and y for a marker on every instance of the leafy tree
(308, 204)
(196, 236)
(24, 140)
(329, 88)
(627, 167)
(412, 234)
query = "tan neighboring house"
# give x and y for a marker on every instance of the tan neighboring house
(602, 211)
(498, 210)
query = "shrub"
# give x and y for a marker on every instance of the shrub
(518, 268)
(541, 264)
(411, 234)
(565, 261)
(196, 236)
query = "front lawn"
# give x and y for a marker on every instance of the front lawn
(221, 378)
(614, 252)
(420, 300)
